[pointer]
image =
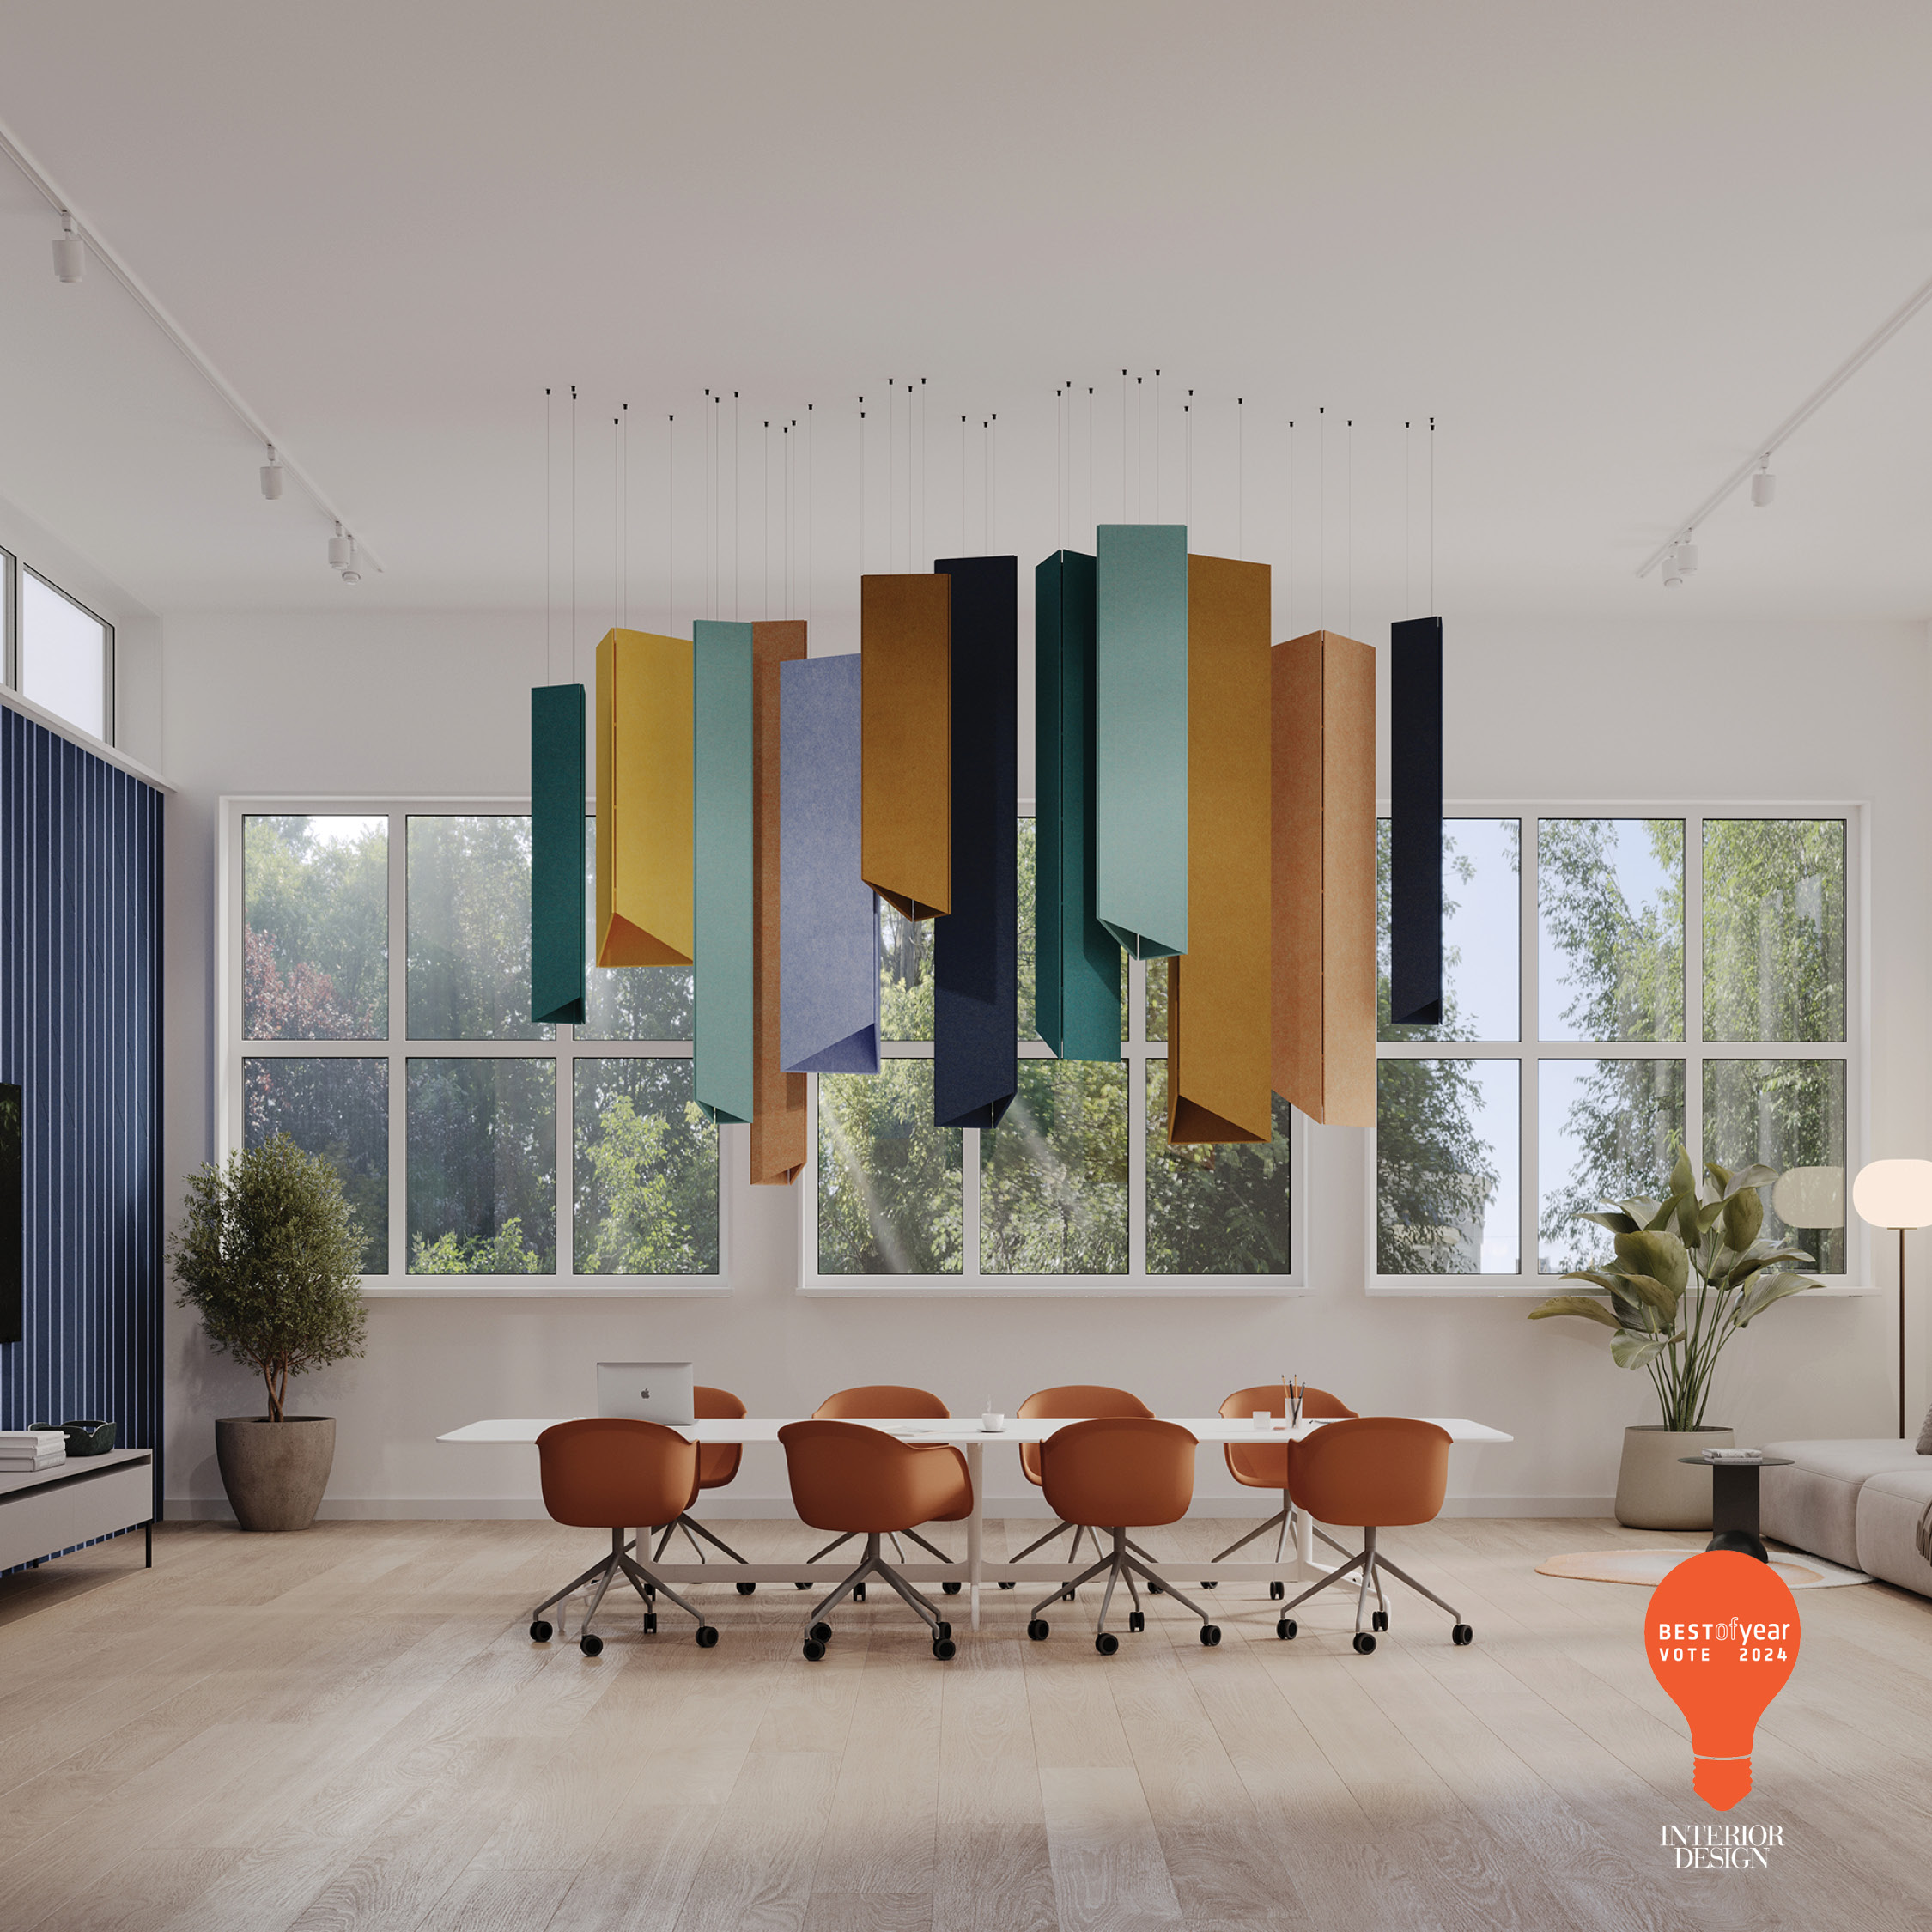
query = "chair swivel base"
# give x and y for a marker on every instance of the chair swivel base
(644, 1582)
(1121, 1564)
(693, 1529)
(1371, 1563)
(818, 1632)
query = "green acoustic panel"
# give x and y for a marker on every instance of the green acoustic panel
(1076, 960)
(1140, 736)
(556, 853)
(723, 859)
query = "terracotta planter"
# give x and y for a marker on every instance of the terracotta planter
(1655, 1491)
(275, 1472)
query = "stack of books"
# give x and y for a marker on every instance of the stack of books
(24, 1450)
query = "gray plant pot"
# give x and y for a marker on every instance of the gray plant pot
(275, 1472)
(1655, 1491)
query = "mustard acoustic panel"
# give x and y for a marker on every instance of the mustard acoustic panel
(643, 801)
(724, 871)
(905, 636)
(1140, 736)
(778, 1139)
(1324, 827)
(556, 853)
(1220, 996)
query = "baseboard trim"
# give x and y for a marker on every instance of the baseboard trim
(529, 1509)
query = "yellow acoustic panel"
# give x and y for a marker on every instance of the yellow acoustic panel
(644, 729)
(905, 638)
(779, 1140)
(1219, 1011)
(1324, 726)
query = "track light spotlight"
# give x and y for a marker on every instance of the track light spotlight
(1686, 558)
(1673, 573)
(341, 550)
(350, 575)
(271, 476)
(69, 252)
(1764, 486)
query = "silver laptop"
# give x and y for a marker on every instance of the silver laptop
(649, 1391)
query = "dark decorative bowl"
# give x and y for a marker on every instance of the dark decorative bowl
(92, 1438)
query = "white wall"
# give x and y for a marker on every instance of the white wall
(414, 705)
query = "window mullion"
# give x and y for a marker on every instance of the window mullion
(1136, 1056)
(565, 1240)
(399, 1047)
(1693, 988)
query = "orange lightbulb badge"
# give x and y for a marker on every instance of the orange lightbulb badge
(1721, 1634)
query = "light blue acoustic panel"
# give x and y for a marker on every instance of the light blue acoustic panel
(1140, 736)
(721, 869)
(828, 967)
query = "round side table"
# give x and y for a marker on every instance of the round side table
(1734, 1503)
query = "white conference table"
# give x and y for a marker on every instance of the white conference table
(963, 1433)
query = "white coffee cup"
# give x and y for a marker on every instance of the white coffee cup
(991, 1423)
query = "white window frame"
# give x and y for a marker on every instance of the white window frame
(16, 570)
(398, 1048)
(1693, 1049)
(1135, 1052)
(9, 619)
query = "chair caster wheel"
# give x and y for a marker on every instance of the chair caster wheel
(951, 1589)
(708, 1636)
(820, 1633)
(1066, 1596)
(801, 1586)
(943, 1629)
(539, 1631)
(1364, 1642)
(858, 1594)
(1277, 1590)
(650, 1623)
(589, 1643)
(1462, 1634)
(813, 1650)
(1206, 1585)
(1037, 1630)
(1286, 1628)
(1155, 1589)
(1136, 1622)
(1379, 1620)
(944, 1648)
(745, 1589)
(1009, 1586)
(1210, 1636)
(1107, 1643)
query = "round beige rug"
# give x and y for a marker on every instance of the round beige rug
(1651, 1566)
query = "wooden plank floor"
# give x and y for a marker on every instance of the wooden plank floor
(351, 1729)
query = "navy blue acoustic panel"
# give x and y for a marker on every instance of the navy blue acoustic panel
(1415, 826)
(975, 945)
(80, 1034)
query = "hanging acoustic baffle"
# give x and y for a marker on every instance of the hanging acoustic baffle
(829, 1018)
(1220, 1011)
(905, 651)
(1076, 960)
(643, 801)
(1140, 736)
(975, 947)
(1415, 826)
(723, 871)
(557, 854)
(779, 1135)
(1323, 689)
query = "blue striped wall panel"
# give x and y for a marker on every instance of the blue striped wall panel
(80, 1031)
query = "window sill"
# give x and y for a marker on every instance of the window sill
(1473, 1287)
(1035, 1286)
(542, 1287)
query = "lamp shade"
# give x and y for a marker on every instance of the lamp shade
(1810, 1197)
(1894, 1193)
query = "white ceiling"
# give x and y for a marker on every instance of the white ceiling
(1606, 248)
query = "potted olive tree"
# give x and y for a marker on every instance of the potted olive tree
(269, 1255)
(1690, 1272)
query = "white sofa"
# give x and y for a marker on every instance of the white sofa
(1855, 1502)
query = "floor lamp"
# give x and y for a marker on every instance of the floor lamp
(1896, 1194)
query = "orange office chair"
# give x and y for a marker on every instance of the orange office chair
(1265, 1465)
(717, 1465)
(863, 1482)
(1110, 1473)
(609, 1473)
(1379, 1471)
(888, 1401)
(1078, 1399)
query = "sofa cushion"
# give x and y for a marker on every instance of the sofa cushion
(1925, 1435)
(1890, 1509)
(1813, 1505)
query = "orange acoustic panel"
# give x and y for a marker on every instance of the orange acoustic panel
(1219, 1011)
(644, 725)
(905, 640)
(1324, 725)
(778, 1098)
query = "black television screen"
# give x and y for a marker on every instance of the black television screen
(12, 1231)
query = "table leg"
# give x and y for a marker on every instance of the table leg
(1304, 1541)
(1734, 1510)
(975, 1473)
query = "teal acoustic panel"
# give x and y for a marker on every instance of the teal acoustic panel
(723, 857)
(556, 853)
(1140, 736)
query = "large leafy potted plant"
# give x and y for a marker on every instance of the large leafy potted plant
(269, 1255)
(1692, 1271)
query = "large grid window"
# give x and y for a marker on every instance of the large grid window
(1617, 984)
(54, 651)
(1075, 1192)
(376, 1011)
